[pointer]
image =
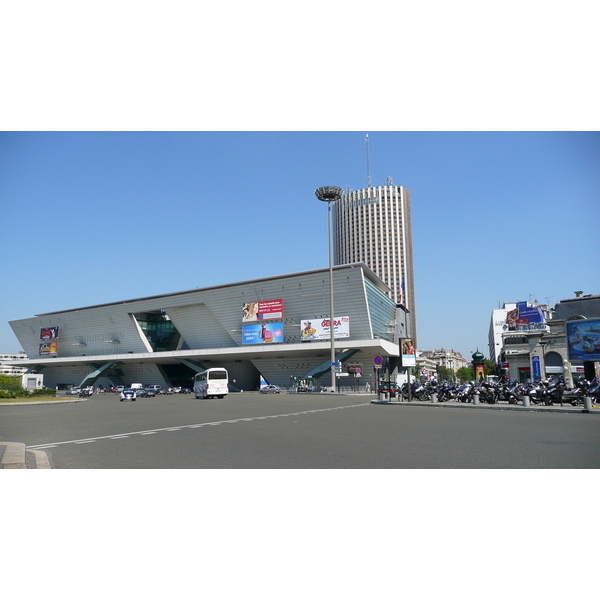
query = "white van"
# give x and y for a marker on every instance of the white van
(136, 386)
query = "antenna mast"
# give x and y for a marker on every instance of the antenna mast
(369, 183)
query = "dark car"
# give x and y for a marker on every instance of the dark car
(128, 394)
(150, 393)
(141, 393)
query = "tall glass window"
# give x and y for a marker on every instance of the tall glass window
(382, 311)
(159, 330)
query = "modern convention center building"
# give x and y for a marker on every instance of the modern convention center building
(276, 329)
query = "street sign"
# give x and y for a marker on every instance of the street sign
(378, 360)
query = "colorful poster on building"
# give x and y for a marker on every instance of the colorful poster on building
(49, 349)
(318, 329)
(524, 318)
(262, 333)
(409, 356)
(583, 339)
(262, 311)
(49, 333)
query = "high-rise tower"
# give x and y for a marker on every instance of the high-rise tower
(372, 226)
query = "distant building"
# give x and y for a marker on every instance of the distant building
(528, 341)
(449, 359)
(426, 367)
(12, 369)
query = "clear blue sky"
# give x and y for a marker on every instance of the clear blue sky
(99, 217)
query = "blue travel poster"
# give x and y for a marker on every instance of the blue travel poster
(262, 333)
(583, 338)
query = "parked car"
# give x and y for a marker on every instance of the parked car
(150, 393)
(186, 391)
(74, 391)
(141, 393)
(270, 389)
(128, 394)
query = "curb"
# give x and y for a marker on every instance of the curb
(534, 408)
(46, 402)
(14, 455)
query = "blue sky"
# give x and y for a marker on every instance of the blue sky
(94, 217)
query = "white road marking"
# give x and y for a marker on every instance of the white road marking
(195, 426)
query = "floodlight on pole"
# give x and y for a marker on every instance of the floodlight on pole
(330, 194)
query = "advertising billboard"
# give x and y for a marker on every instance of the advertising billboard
(262, 333)
(409, 356)
(316, 329)
(49, 333)
(524, 318)
(49, 349)
(583, 339)
(261, 311)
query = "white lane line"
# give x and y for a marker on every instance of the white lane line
(195, 426)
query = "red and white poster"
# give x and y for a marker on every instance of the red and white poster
(262, 311)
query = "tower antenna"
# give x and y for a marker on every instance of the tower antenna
(369, 182)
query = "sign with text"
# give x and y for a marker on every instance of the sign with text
(262, 311)
(262, 333)
(319, 329)
(48, 349)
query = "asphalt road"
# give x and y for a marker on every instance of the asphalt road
(297, 431)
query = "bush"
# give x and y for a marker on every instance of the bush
(41, 392)
(10, 383)
(21, 393)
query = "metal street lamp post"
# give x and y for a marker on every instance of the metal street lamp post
(330, 194)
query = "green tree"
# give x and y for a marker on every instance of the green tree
(444, 373)
(465, 374)
(489, 367)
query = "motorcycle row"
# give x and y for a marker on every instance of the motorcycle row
(545, 392)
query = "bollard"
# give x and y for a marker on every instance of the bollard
(587, 403)
(525, 400)
(475, 398)
(434, 397)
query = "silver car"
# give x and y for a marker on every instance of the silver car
(270, 389)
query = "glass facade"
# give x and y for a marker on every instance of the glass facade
(159, 330)
(382, 311)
